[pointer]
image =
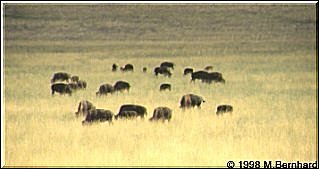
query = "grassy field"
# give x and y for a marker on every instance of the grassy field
(267, 54)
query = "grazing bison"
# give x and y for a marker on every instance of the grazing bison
(61, 88)
(191, 100)
(144, 69)
(61, 76)
(95, 115)
(199, 75)
(188, 71)
(208, 77)
(140, 110)
(165, 86)
(224, 109)
(84, 108)
(213, 77)
(75, 79)
(162, 70)
(127, 67)
(129, 114)
(121, 85)
(114, 67)
(105, 89)
(208, 68)
(162, 113)
(167, 64)
(81, 84)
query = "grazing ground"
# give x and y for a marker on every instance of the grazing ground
(266, 53)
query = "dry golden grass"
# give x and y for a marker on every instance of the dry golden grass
(274, 115)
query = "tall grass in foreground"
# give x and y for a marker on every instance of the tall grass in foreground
(274, 118)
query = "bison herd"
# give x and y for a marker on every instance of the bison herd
(65, 83)
(73, 83)
(127, 111)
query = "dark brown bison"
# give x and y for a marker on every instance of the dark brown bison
(121, 85)
(128, 114)
(98, 115)
(191, 100)
(207, 77)
(61, 88)
(199, 75)
(75, 79)
(140, 110)
(208, 68)
(81, 84)
(127, 67)
(188, 71)
(162, 70)
(114, 67)
(165, 86)
(60, 76)
(105, 89)
(167, 64)
(161, 113)
(84, 108)
(213, 77)
(224, 109)
(144, 69)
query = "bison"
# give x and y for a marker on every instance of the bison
(60, 76)
(121, 85)
(208, 68)
(127, 67)
(61, 88)
(207, 77)
(168, 64)
(213, 77)
(188, 71)
(162, 70)
(224, 109)
(140, 110)
(199, 75)
(114, 67)
(81, 84)
(191, 100)
(144, 69)
(105, 89)
(84, 107)
(75, 79)
(165, 86)
(129, 114)
(95, 115)
(161, 113)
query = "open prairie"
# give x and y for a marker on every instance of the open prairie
(266, 53)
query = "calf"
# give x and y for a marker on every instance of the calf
(105, 89)
(165, 86)
(162, 113)
(95, 115)
(224, 109)
(129, 114)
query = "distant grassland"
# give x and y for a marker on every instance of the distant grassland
(266, 53)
